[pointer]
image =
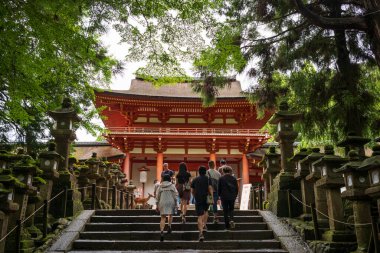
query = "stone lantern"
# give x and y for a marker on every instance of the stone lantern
(271, 164)
(23, 171)
(7, 204)
(332, 182)
(93, 168)
(357, 182)
(131, 188)
(371, 165)
(315, 194)
(284, 181)
(83, 180)
(307, 191)
(64, 134)
(102, 182)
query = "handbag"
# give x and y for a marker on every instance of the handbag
(210, 200)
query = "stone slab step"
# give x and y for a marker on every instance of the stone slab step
(190, 226)
(150, 219)
(135, 212)
(179, 235)
(187, 251)
(175, 245)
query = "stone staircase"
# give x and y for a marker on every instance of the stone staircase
(138, 230)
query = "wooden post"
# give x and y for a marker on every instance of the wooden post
(65, 201)
(93, 193)
(260, 199)
(45, 218)
(127, 200)
(290, 207)
(121, 199)
(114, 197)
(254, 199)
(315, 221)
(375, 233)
(18, 236)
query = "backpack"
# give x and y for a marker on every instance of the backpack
(213, 182)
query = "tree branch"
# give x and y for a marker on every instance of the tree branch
(357, 23)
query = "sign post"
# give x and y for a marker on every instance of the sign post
(244, 201)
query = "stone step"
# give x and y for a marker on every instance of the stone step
(188, 251)
(189, 226)
(175, 245)
(136, 212)
(179, 235)
(150, 219)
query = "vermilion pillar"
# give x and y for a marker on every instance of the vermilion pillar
(127, 165)
(213, 157)
(245, 171)
(160, 161)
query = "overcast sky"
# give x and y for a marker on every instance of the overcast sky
(123, 81)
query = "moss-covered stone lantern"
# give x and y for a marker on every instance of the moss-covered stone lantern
(357, 182)
(93, 168)
(83, 180)
(64, 134)
(271, 162)
(371, 165)
(307, 191)
(49, 161)
(131, 188)
(332, 182)
(284, 181)
(7, 204)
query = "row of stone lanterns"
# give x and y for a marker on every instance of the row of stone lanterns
(321, 178)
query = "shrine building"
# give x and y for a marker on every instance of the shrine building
(153, 125)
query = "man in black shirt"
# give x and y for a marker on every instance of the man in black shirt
(201, 188)
(228, 191)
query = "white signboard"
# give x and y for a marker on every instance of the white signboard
(244, 201)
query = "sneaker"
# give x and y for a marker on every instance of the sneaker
(201, 238)
(169, 230)
(215, 221)
(232, 224)
(162, 236)
(205, 228)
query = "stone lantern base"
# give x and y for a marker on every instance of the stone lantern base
(74, 204)
(278, 197)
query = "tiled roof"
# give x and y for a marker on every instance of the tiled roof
(144, 88)
(85, 152)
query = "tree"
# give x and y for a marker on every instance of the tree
(51, 49)
(365, 18)
(333, 64)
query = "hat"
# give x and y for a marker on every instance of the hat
(222, 161)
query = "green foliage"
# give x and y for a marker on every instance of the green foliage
(327, 75)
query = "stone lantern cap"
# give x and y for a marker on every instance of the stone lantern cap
(330, 161)
(308, 160)
(6, 156)
(354, 140)
(66, 111)
(353, 164)
(284, 114)
(373, 161)
(300, 155)
(131, 186)
(51, 153)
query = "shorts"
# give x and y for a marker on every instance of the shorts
(201, 207)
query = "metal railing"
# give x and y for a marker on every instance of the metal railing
(188, 131)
